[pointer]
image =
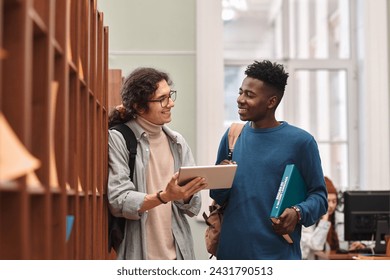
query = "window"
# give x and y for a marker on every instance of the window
(313, 40)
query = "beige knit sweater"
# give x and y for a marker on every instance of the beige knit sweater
(159, 235)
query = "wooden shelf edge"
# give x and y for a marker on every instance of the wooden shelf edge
(55, 189)
(71, 192)
(81, 193)
(38, 21)
(72, 67)
(9, 186)
(57, 47)
(35, 189)
(83, 83)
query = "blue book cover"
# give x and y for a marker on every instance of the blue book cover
(292, 190)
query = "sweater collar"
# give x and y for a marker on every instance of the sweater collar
(153, 130)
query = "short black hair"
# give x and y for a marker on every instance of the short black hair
(271, 73)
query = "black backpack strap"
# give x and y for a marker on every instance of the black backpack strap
(131, 144)
(116, 225)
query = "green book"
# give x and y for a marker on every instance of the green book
(292, 190)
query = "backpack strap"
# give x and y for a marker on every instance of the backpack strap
(234, 133)
(131, 144)
(116, 225)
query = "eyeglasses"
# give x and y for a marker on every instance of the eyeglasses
(164, 101)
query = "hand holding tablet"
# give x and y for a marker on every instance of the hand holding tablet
(217, 176)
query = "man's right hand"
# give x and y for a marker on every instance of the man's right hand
(226, 161)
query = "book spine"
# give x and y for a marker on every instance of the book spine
(276, 210)
(281, 192)
(279, 197)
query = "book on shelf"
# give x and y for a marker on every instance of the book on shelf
(292, 190)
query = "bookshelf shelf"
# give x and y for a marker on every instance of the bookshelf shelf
(10, 186)
(35, 189)
(58, 49)
(39, 25)
(72, 67)
(53, 95)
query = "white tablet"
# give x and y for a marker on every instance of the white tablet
(217, 176)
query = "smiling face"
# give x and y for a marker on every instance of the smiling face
(156, 113)
(257, 103)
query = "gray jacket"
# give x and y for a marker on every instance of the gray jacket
(126, 197)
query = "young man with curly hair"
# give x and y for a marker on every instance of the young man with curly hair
(154, 205)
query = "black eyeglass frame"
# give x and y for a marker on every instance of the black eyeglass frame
(165, 99)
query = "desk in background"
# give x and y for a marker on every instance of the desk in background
(332, 255)
(368, 257)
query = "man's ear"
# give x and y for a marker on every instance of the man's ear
(138, 109)
(273, 102)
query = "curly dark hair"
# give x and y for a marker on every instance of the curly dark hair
(137, 89)
(271, 73)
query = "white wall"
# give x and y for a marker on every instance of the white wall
(374, 96)
(158, 34)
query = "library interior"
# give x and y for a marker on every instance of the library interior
(62, 65)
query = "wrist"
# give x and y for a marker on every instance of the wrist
(298, 212)
(161, 197)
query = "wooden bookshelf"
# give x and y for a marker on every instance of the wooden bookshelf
(54, 97)
(115, 81)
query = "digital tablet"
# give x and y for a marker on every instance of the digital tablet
(217, 176)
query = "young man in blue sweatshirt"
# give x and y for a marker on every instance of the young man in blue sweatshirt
(262, 152)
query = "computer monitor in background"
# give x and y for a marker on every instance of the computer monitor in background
(367, 217)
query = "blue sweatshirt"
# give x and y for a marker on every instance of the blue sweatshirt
(261, 155)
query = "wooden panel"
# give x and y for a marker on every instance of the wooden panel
(3, 53)
(13, 237)
(17, 70)
(114, 85)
